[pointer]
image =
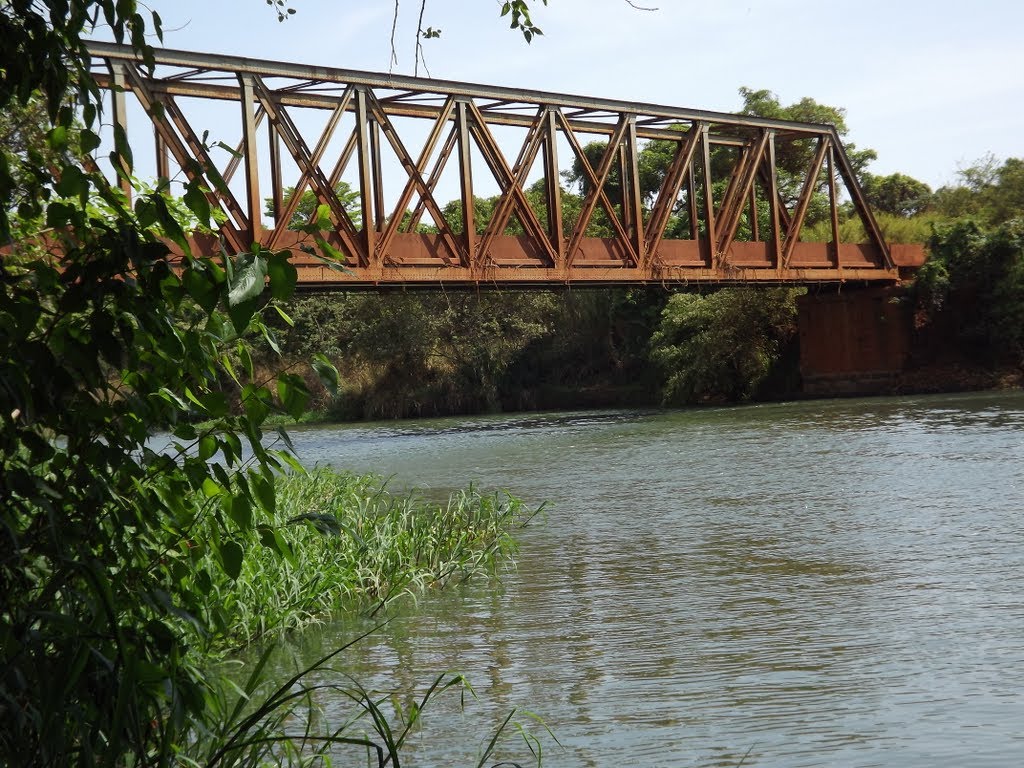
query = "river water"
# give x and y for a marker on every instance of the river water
(822, 583)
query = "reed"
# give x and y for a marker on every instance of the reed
(350, 544)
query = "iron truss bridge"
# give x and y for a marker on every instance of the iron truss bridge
(390, 167)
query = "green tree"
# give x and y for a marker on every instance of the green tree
(723, 345)
(973, 288)
(307, 205)
(988, 190)
(896, 194)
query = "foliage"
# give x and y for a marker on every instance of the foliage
(349, 543)
(896, 194)
(723, 345)
(408, 354)
(109, 547)
(794, 157)
(987, 191)
(102, 530)
(894, 228)
(306, 208)
(974, 284)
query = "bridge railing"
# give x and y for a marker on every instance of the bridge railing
(392, 167)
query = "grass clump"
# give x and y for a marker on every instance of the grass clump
(341, 542)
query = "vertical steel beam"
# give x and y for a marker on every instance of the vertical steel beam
(163, 168)
(552, 185)
(597, 178)
(415, 181)
(741, 188)
(679, 169)
(691, 200)
(632, 209)
(292, 203)
(378, 177)
(810, 184)
(466, 183)
(253, 200)
(366, 194)
(755, 225)
(833, 203)
(189, 153)
(709, 202)
(276, 184)
(774, 203)
(120, 109)
(860, 202)
(236, 159)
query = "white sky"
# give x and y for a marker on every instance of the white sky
(931, 85)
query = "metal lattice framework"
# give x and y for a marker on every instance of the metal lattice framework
(718, 212)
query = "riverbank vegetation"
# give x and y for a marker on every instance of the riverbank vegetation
(348, 545)
(127, 570)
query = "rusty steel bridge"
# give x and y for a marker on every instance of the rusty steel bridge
(719, 214)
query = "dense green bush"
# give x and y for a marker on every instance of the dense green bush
(723, 345)
(973, 285)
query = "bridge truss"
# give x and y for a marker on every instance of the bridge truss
(727, 205)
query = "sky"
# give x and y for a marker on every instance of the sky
(931, 86)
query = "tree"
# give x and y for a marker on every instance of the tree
(306, 207)
(723, 345)
(989, 191)
(973, 286)
(793, 156)
(896, 194)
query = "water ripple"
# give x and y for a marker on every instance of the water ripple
(818, 583)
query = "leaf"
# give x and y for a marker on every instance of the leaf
(264, 490)
(229, 149)
(211, 488)
(246, 358)
(215, 404)
(57, 138)
(121, 157)
(325, 524)
(196, 200)
(326, 372)
(284, 315)
(207, 447)
(283, 275)
(330, 251)
(169, 224)
(87, 141)
(203, 290)
(241, 314)
(293, 393)
(73, 182)
(250, 275)
(254, 400)
(240, 511)
(231, 555)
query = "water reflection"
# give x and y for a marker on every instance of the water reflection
(820, 583)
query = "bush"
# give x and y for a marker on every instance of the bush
(723, 345)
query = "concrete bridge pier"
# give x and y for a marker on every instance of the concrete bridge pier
(854, 342)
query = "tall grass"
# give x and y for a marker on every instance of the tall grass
(350, 544)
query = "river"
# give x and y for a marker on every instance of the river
(820, 583)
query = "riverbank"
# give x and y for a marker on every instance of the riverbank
(937, 377)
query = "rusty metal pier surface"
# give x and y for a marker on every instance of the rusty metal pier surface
(400, 141)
